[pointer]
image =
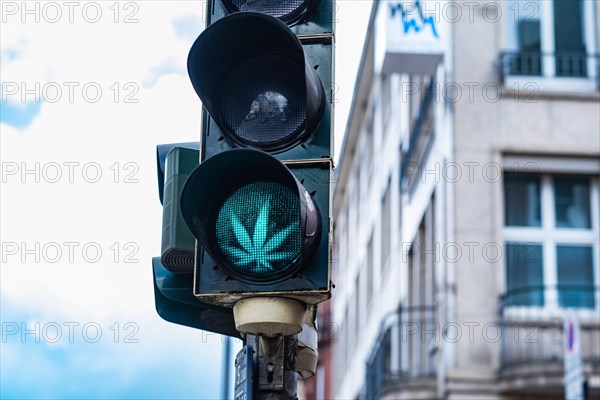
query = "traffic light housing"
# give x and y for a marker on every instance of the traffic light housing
(264, 87)
(259, 202)
(176, 303)
(176, 162)
(263, 227)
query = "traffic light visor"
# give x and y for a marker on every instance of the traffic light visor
(251, 73)
(289, 11)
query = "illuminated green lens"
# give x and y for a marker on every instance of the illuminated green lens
(258, 229)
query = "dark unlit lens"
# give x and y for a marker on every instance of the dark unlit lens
(282, 9)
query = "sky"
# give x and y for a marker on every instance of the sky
(88, 89)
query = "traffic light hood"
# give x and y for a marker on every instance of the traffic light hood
(252, 75)
(288, 11)
(251, 215)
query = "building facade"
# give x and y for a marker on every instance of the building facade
(467, 203)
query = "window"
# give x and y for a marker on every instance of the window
(550, 39)
(365, 162)
(370, 137)
(572, 203)
(345, 328)
(386, 217)
(386, 102)
(551, 240)
(526, 28)
(575, 271)
(524, 274)
(362, 176)
(370, 265)
(353, 204)
(569, 38)
(418, 352)
(421, 266)
(357, 313)
(522, 200)
(422, 131)
(415, 97)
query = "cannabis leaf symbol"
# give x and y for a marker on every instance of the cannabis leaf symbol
(258, 250)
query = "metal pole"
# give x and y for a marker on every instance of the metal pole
(275, 368)
(226, 368)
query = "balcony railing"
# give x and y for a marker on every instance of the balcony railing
(421, 139)
(533, 333)
(560, 64)
(521, 63)
(405, 350)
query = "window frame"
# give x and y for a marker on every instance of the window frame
(370, 273)
(548, 80)
(550, 237)
(386, 225)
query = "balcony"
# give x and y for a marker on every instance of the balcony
(532, 343)
(420, 142)
(403, 362)
(562, 71)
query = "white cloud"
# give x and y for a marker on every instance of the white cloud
(105, 51)
(75, 142)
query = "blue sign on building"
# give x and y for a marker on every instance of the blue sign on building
(417, 22)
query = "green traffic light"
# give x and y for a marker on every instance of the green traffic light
(262, 227)
(258, 229)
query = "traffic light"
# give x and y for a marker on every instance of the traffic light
(259, 202)
(261, 223)
(264, 87)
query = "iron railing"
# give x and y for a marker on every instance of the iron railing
(405, 349)
(531, 63)
(532, 332)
